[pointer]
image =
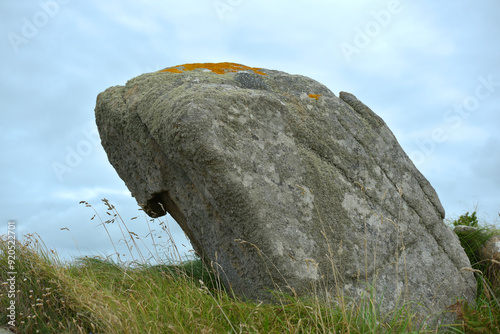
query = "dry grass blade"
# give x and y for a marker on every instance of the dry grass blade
(97, 295)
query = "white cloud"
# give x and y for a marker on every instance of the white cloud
(412, 71)
(132, 15)
(88, 194)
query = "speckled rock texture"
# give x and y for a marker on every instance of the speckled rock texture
(488, 253)
(281, 185)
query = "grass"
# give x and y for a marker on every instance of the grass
(101, 295)
(484, 315)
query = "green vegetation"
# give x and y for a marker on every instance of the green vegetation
(467, 220)
(98, 295)
(484, 316)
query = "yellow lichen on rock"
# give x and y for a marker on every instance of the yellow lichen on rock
(314, 96)
(219, 68)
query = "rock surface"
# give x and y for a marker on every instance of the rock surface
(488, 253)
(282, 185)
(5, 331)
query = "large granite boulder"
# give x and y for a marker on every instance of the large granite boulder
(281, 185)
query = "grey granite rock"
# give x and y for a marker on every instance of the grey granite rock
(281, 185)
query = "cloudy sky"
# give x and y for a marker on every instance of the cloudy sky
(429, 68)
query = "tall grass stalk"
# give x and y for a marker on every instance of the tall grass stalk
(103, 295)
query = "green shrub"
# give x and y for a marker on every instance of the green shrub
(467, 220)
(484, 315)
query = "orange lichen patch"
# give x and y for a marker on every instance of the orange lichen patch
(219, 68)
(314, 96)
(171, 69)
